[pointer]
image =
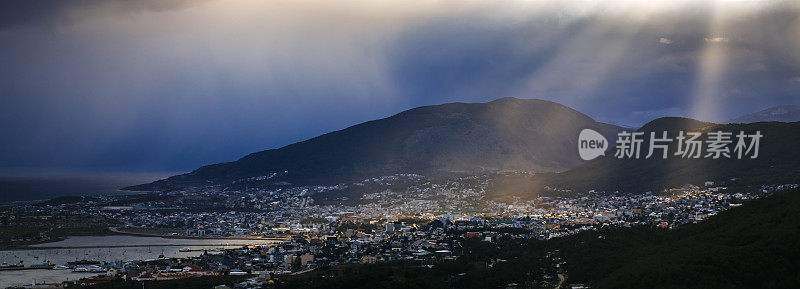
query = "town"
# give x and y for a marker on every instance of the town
(306, 228)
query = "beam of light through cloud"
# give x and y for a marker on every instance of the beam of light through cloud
(177, 84)
(712, 65)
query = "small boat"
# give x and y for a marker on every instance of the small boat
(80, 269)
(45, 265)
(185, 249)
(6, 266)
(61, 267)
(98, 270)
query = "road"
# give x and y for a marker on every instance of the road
(561, 279)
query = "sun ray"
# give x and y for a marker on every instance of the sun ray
(707, 96)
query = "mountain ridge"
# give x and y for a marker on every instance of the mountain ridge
(782, 113)
(504, 134)
(778, 161)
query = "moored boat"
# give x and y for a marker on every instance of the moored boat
(45, 265)
(80, 269)
(6, 266)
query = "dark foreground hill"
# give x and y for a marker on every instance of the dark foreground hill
(505, 134)
(752, 246)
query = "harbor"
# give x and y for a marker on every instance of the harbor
(85, 256)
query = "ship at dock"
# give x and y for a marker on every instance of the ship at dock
(21, 266)
(7, 266)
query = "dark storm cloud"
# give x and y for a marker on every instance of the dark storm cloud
(174, 85)
(16, 13)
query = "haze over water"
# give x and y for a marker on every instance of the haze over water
(37, 186)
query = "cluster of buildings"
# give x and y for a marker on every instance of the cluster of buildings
(425, 221)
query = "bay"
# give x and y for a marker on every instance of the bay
(99, 248)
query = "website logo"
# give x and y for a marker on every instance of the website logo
(591, 144)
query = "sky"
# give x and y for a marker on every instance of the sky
(154, 85)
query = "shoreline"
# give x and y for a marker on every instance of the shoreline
(142, 234)
(113, 231)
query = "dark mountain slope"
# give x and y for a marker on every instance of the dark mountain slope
(778, 161)
(505, 134)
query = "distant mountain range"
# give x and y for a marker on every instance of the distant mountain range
(505, 134)
(784, 113)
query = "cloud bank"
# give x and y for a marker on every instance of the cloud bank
(166, 85)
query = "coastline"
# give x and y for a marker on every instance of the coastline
(144, 234)
(61, 236)
(113, 231)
